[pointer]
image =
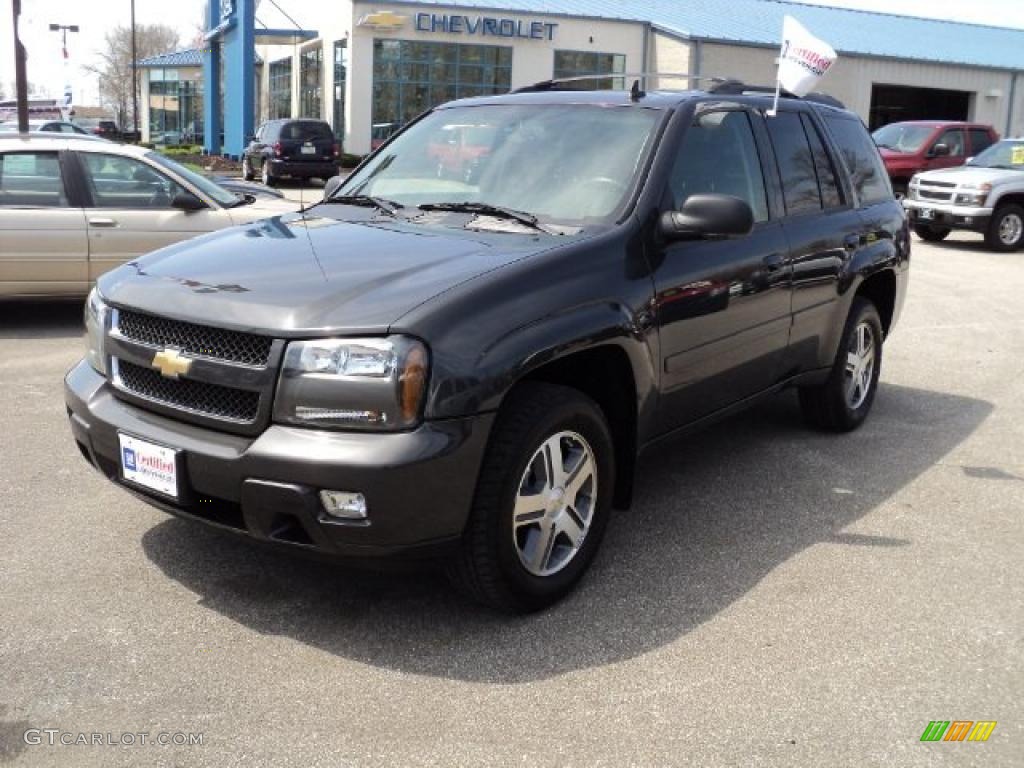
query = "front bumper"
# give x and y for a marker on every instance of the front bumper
(419, 485)
(948, 215)
(306, 169)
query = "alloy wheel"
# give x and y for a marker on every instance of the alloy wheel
(554, 505)
(860, 365)
(1010, 229)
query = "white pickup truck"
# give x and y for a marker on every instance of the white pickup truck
(986, 195)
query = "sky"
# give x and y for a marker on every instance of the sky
(95, 17)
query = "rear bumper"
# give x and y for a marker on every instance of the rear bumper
(948, 215)
(418, 485)
(305, 169)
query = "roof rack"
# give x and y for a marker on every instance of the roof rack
(733, 87)
(557, 84)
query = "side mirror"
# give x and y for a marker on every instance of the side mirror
(940, 150)
(332, 186)
(708, 216)
(969, 159)
(186, 201)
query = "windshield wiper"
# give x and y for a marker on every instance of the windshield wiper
(390, 207)
(487, 209)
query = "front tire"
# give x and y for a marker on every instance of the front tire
(1006, 229)
(247, 173)
(931, 234)
(542, 501)
(843, 402)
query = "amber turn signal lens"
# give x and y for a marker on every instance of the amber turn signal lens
(413, 382)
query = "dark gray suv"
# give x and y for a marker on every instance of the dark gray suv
(462, 351)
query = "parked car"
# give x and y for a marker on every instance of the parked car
(468, 369)
(73, 207)
(986, 196)
(924, 145)
(44, 126)
(105, 129)
(300, 149)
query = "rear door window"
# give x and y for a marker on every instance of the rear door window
(31, 180)
(796, 163)
(980, 140)
(831, 197)
(718, 155)
(860, 156)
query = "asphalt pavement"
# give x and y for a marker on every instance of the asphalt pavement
(775, 597)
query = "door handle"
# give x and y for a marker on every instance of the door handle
(773, 262)
(103, 223)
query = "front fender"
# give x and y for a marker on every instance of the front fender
(517, 353)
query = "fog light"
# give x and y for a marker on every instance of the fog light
(346, 505)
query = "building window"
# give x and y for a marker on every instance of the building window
(411, 77)
(581, 63)
(311, 82)
(175, 106)
(280, 96)
(340, 76)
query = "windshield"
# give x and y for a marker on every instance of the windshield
(209, 188)
(902, 138)
(1005, 154)
(560, 163)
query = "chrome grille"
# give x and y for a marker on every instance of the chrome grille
(195, 340)
(934, 194)
(199, 397)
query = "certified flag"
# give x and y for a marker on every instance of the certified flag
(803, 61)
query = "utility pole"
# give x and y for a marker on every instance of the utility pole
(135, 80)
(21, 80)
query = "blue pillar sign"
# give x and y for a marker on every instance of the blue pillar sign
(231, 44)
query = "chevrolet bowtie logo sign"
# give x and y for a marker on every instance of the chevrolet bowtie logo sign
(170, 363)
(385, 21)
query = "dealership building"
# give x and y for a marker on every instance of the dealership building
(370, 67)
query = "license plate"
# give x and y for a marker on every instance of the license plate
(308, 150)
(926, 213)
(149, 465)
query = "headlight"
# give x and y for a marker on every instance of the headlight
(973, 195)
(374, 384)
(96, 314)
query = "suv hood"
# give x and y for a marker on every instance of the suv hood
(973, 175)
(304, 274)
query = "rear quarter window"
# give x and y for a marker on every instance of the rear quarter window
(860, 156)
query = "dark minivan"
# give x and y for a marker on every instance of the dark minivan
(468, 365)
(299, 149)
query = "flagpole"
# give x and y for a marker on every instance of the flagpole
(775, 105)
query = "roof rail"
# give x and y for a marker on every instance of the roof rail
(739, 88)
(556, 84)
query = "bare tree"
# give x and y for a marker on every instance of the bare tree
(114, 69)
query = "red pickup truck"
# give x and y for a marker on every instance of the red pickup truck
(926, 145)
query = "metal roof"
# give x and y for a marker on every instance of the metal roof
(759, 22)
(192, 57)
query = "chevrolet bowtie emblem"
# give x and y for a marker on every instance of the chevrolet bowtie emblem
(170, 363)
(382, 20)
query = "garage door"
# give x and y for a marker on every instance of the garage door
(895, 103)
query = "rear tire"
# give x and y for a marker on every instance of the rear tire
(843, 402)
(931, 234)
(533, 531)
(1006, 229)
(266, 176)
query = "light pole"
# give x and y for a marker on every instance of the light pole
(135, 80)
(64, 29)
